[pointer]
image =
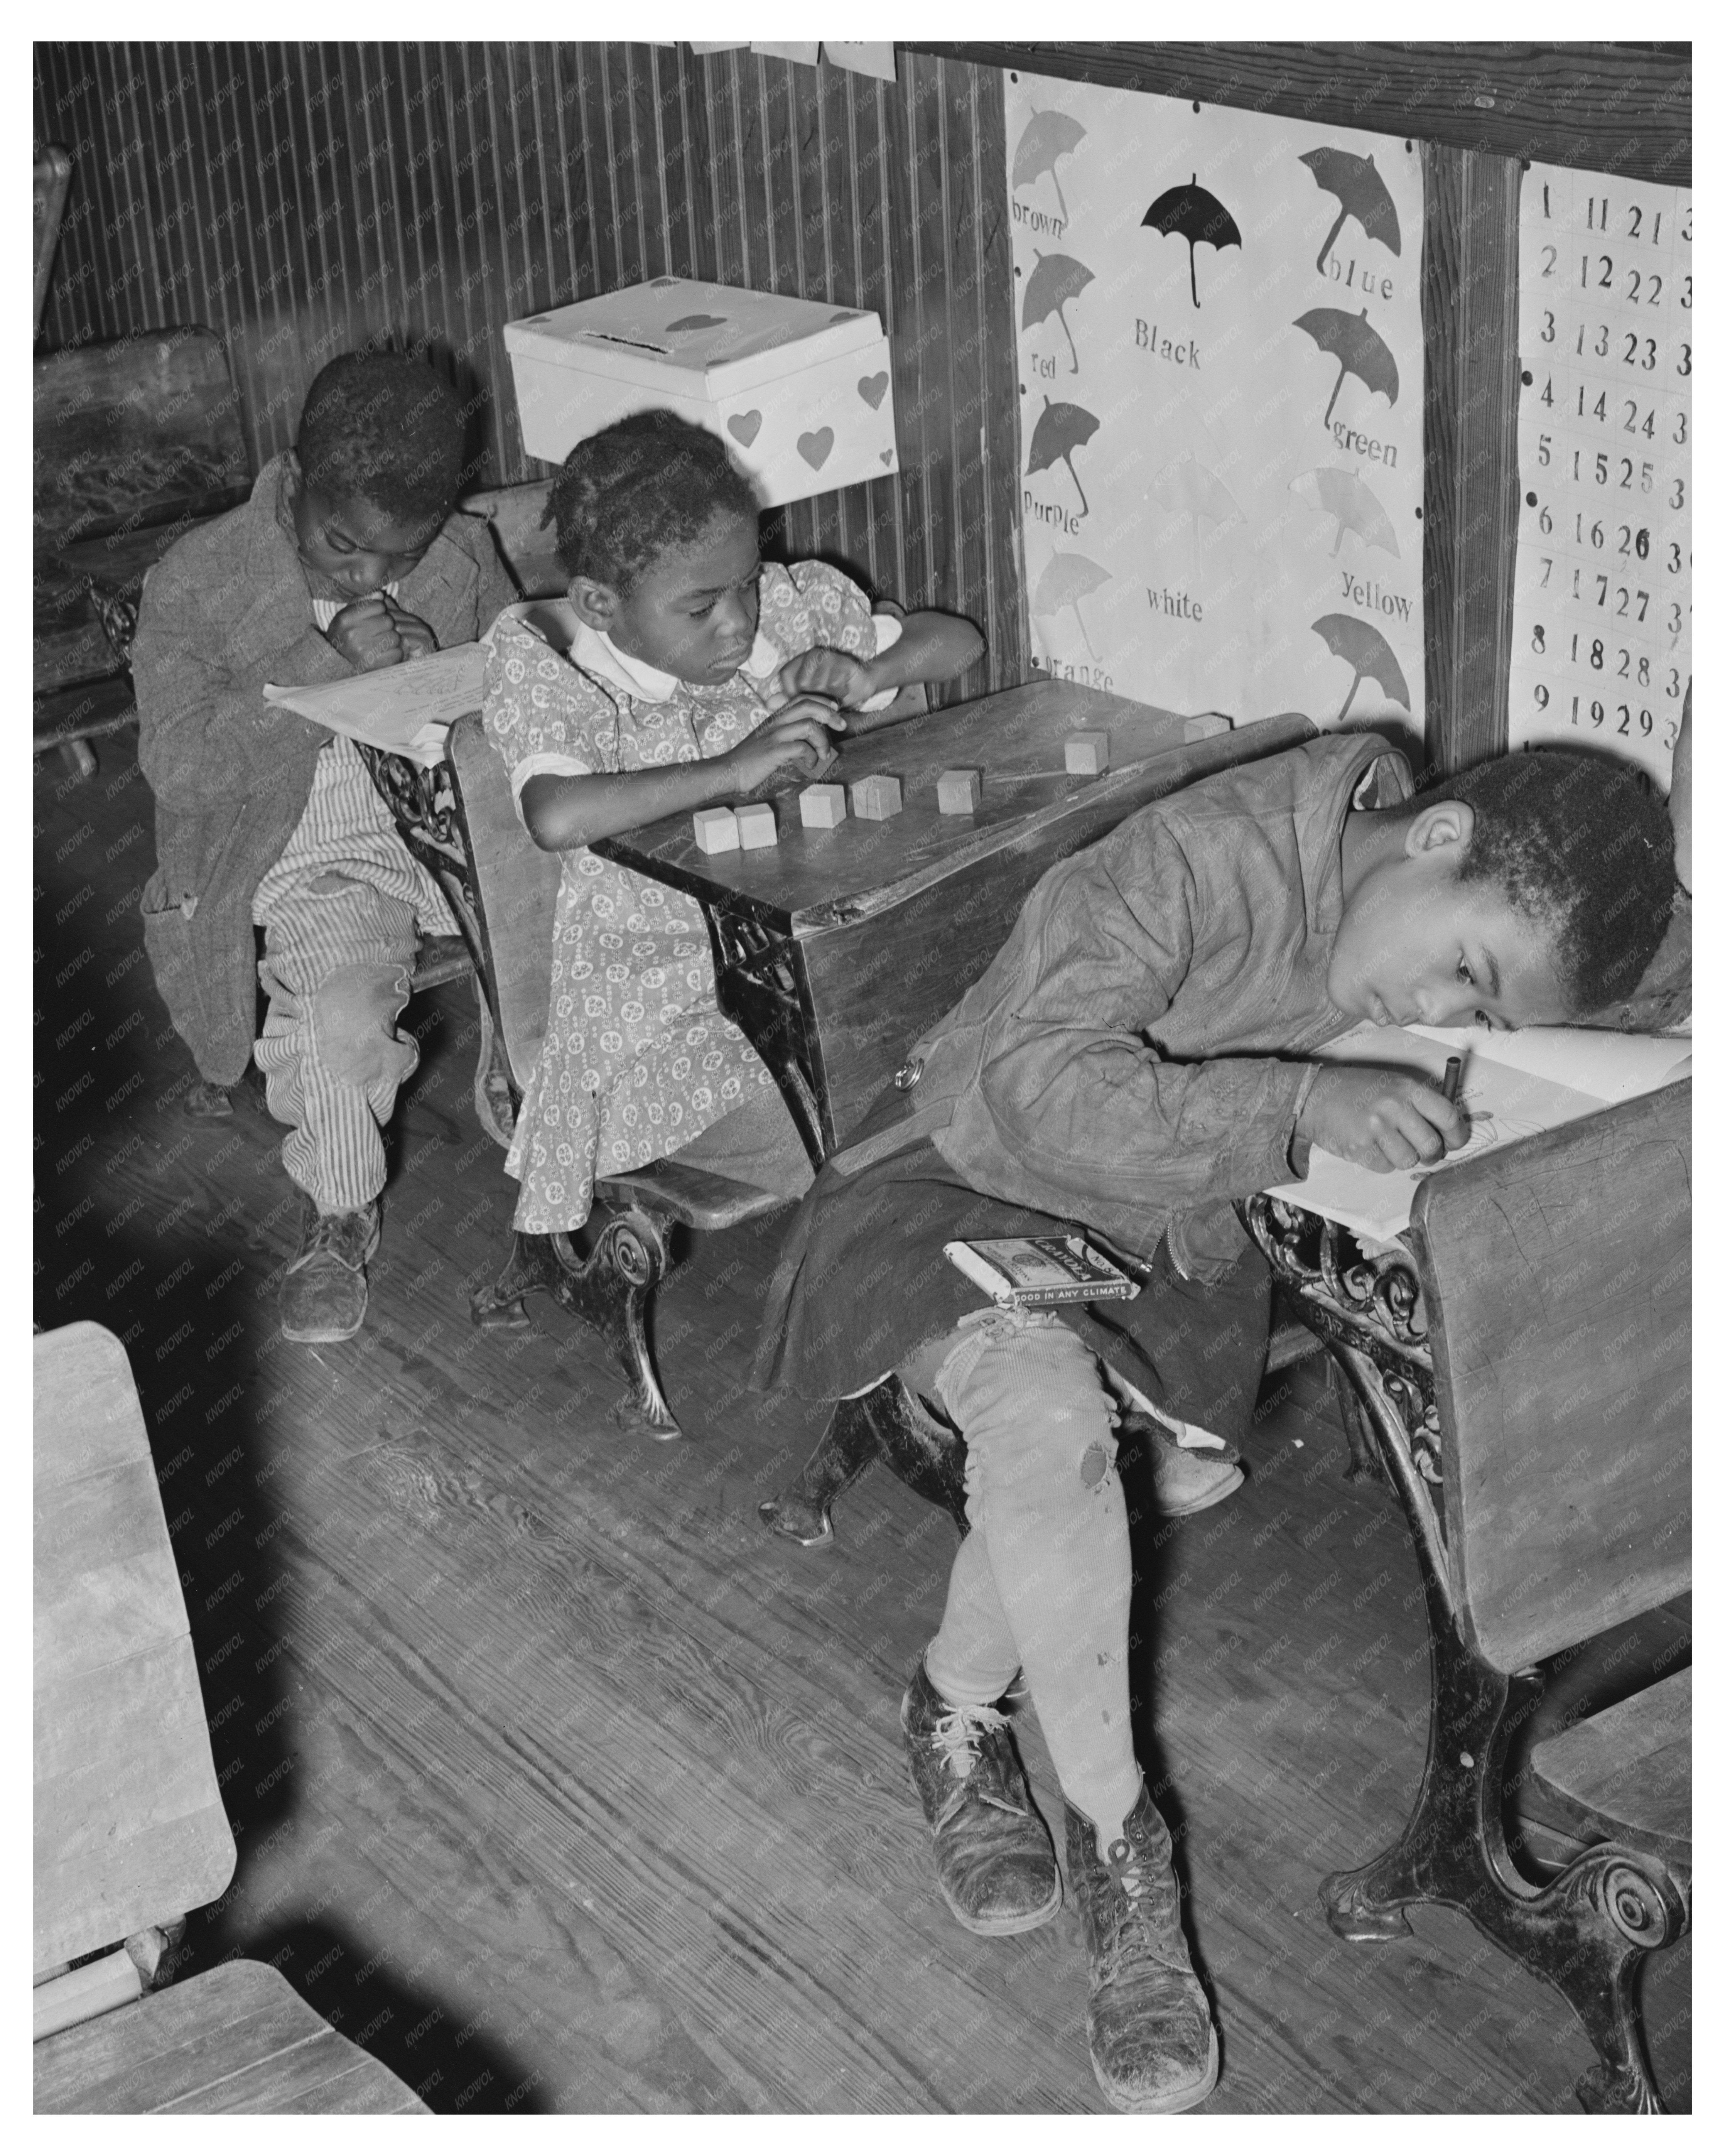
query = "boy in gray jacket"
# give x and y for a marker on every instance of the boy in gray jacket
(347, 557)
(1138, 1055)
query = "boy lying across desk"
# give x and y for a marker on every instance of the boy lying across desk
(1135, 1058)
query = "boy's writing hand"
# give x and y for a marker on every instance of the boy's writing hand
(823, 672)
(418, 638)
(365, 634)
(1380, 1119)
(794, 743)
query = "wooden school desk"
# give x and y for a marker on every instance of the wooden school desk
(836, 949)
(1519, 1364)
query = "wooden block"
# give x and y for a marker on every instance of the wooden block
(1087, 753)
(876, 797)
(757, 825)
(823, 808)
(716, 830)
(959, 792)
(1207, 723)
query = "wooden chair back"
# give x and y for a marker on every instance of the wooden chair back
(514, 887)
(1557, 1280)
(130, 1828)
(527, 547)
(145, 431)
(52, 181)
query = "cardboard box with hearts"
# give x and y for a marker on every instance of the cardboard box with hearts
(799, 390)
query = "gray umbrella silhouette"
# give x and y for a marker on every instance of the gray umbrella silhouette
(1056, 279)
(1352, 339)
(1062, 428)
(1357, 185)
(1368, 652)
(1048, 136)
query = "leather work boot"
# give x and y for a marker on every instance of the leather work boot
(993, 1855)
(1190, 1471)
(323, 1292)
(1151, 2044)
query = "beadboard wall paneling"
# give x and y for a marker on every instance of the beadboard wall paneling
(300, 198)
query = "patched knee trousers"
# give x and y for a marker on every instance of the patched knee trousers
(338, 957)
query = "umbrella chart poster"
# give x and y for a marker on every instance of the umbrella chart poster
(1221, 398)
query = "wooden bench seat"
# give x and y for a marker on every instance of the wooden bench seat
(130, 1828)
(238, 2040)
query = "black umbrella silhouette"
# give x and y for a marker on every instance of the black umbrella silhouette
(1047, 136)
(1359, 186)
(1056, 279)
(1352, 339)
(1062, 428)
(1192, 214)
(1368, 653)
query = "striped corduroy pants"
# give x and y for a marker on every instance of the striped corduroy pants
(338, 956)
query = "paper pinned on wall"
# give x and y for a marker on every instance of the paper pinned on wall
(806, 54)
(873, 60)
(1221, 367)
(1513, 1085)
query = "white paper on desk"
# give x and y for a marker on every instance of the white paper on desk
(406, 709)
(1512, 1085)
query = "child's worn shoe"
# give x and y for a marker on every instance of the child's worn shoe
(993, 1855)
(1152, 2043)
(323, 1292)
(1189, 1468)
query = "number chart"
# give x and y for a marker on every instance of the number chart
(1601, 648)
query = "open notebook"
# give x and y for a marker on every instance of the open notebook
(406, 709)
(1512, 1085)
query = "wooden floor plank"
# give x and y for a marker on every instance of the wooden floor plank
(559, 1785)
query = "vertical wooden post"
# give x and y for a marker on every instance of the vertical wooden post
(1468, 301)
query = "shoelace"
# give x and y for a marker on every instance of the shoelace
(958, 1731)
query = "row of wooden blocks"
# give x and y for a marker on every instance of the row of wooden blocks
(877, 797)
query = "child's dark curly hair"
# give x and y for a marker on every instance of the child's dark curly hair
(1581, 846)
(381, 428)
(646, 484)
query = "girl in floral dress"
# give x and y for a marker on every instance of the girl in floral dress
(682, 671)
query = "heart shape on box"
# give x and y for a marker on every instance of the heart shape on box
(695, 322)
(872, 388)
(815, 449)
(745, 425)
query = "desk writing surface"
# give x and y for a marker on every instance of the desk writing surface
(812, 880)
(878, 929)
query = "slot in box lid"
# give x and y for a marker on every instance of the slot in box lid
(688, 338)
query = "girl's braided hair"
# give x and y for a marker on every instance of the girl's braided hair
(1581, 846)
(627, 494)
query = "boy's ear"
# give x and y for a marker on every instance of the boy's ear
(1445, 824)
(596, 604)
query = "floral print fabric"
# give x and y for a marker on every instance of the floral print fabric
(637, 1059)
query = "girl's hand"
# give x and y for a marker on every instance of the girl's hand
(824, 672)
(793, 745)
(1380, 1119)
(365, 634)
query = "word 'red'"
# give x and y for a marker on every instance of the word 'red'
(1148, 337)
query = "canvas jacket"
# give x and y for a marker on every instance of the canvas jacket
(227, 609)
(1131, 1056)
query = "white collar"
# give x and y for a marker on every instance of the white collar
(594, 653)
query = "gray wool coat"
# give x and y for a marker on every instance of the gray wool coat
(227, 609)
